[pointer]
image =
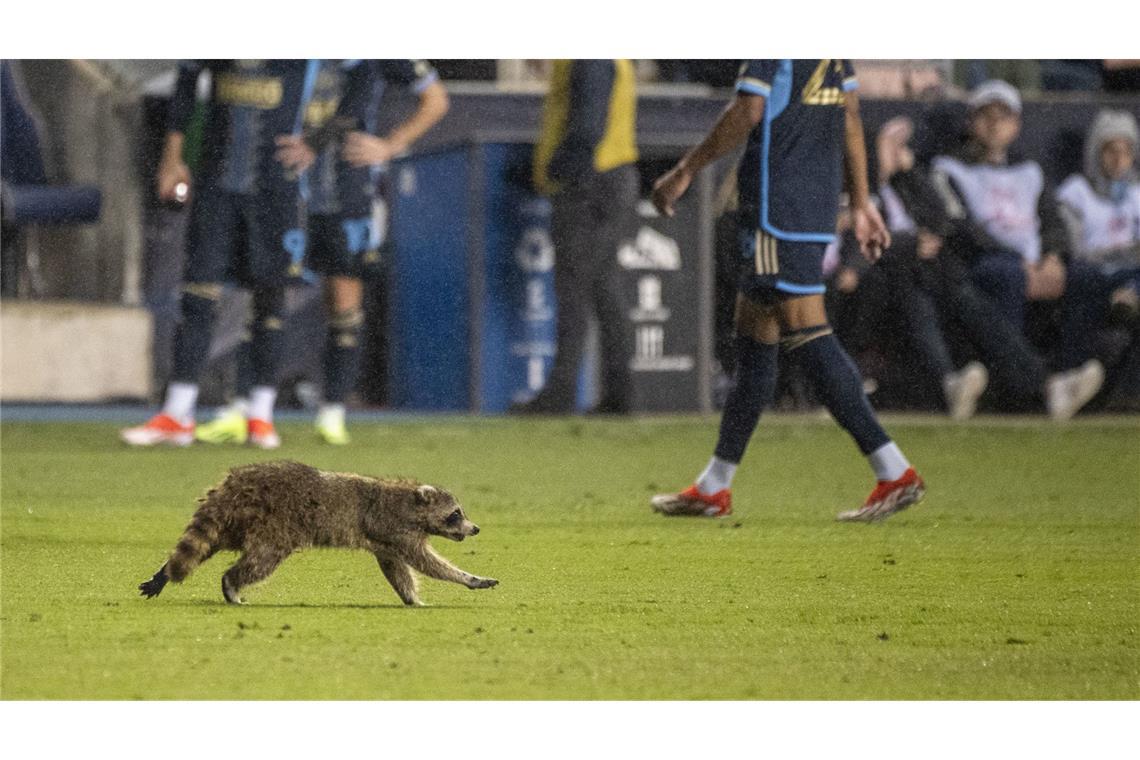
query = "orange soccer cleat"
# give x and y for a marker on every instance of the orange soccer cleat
(262, 434)
(889, 496)
(159, 429)
(693, 503)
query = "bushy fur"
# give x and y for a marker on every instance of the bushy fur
(269, 510)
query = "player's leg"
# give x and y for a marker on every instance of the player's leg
(231, 423)
(807, 336)
(211, 238)
(345, 299)
(266, 350)
(337, 246)
(757, 342)
(757, 351)
(275, 250)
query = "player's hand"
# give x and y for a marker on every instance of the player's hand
(669, 188)
(363, 149)
(870, 231)
(173, 180)
(294, 153)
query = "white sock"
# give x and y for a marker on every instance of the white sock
(330, 413)
(181, 399)
(888, 462)
(238, 405)
(716, 477)
(261, 401)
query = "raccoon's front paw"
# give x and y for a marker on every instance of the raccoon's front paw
(477, 582)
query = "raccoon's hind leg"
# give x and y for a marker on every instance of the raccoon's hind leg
(255, 565)
(154, 586)
(401, 578)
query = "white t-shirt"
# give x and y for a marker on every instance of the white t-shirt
(1104, 225)
(1003, 199)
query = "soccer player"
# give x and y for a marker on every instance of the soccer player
(801, 120)
(343, 238)
(244, 224)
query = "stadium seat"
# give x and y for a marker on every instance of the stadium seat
(27, 200)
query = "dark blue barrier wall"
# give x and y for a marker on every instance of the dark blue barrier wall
(472, 294)
(472, 319)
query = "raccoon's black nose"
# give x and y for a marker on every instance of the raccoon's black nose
(474, 530)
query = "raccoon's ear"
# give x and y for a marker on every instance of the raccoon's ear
(425, 494)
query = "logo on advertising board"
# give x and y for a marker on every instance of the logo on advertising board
(649, 307)
(649, 352)
(650, 250)
(535, 252)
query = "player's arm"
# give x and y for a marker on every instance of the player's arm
(363, 149)
(172, 170)
(870, 230)
(731, 129)
(433, 106)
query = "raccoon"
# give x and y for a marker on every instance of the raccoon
(269, 510)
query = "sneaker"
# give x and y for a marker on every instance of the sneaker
(332, 430)
(262, 435)
(963, 388)
(159, 429)
(693, 503)
(227, 427)
(1067, 392)
(889, 496)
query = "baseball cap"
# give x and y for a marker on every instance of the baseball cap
(995, 91)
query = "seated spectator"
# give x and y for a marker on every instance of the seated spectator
(894, 299)
(1006, 226)
(1101, 206)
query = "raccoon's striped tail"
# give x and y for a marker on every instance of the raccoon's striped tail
(197, 544)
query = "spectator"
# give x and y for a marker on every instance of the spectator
(584, 160)
(1006, 225)
(1102, 205)
(1102, 209)
(896, 298)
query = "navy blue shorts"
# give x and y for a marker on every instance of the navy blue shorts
(775, 270)
(343, 245)
(252, 240)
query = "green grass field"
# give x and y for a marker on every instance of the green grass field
(1017, 578)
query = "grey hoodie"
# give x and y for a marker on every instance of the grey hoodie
(1109, 125)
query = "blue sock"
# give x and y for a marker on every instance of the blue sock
(755, 386)
(838, 384)
(268, 339)
(192, 337)
(342, 354)
(244, 379)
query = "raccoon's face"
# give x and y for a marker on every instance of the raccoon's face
(444, 516)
